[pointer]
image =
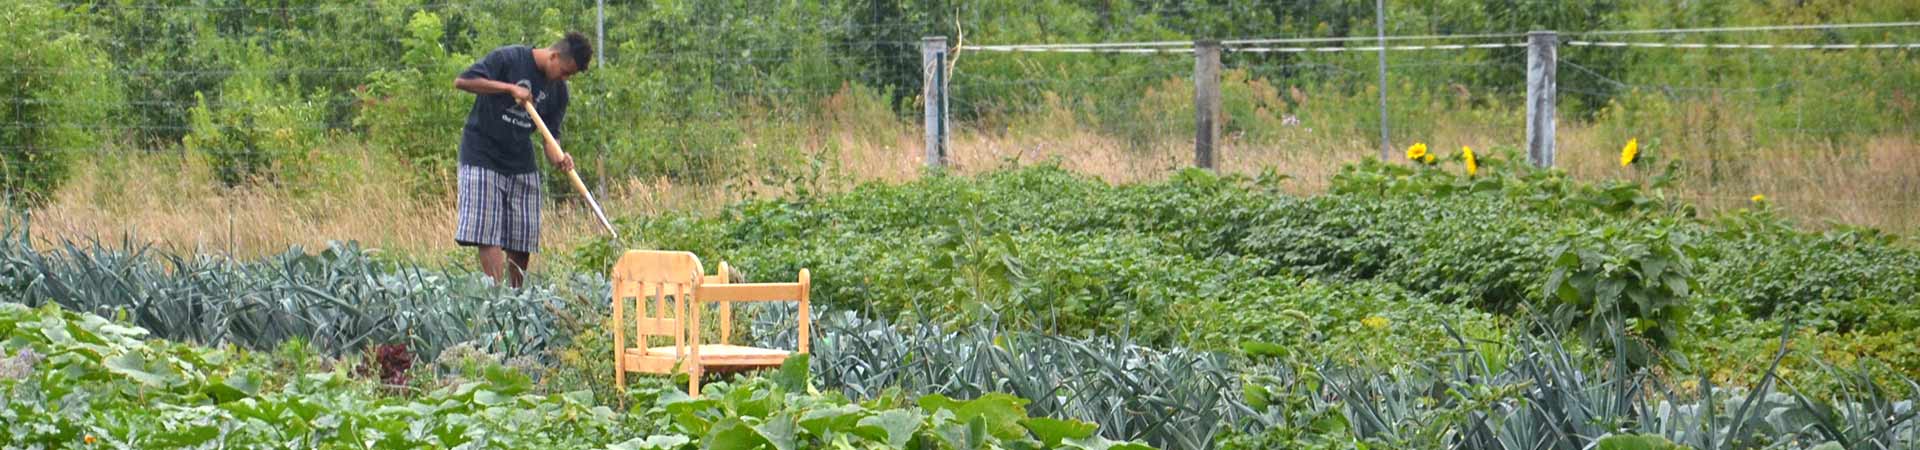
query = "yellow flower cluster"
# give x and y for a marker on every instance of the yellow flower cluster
(1418, 153)
(1375, 322)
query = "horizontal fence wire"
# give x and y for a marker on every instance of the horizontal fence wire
(1696, 45)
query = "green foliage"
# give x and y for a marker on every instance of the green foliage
(1288, 415)
(1118, 295)
(1483, 241)
(88, 380)
(1635, 442)
(1391, 264)
(1493, 241)
(74, 379)
(1218, 262)
(59, 98)
(261, 130)
(1175, 398)
(339, 300)
(1625, 289)
(1537, 394)
(413, 110)
(698, 91)
(1044, 249)
(758, 413)
(1843, 279)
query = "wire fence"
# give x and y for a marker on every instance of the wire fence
(1820, 117)
(1821, 123)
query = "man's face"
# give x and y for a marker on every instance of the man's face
(560, 67)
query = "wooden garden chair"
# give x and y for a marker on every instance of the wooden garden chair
(667, 295)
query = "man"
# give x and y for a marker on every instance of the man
(499, 185)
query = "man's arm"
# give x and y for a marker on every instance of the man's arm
(480, 78)
(485, 86)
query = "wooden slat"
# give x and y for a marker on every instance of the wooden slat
(690, 305)
(722, 275)
(806, 316)
(658, 322)
(715, 354)
(657, 327)
(681, 305)
(659, 301)
(751, 292)
(726, 322)
(638, 361)
(626, 289)
(619, 337)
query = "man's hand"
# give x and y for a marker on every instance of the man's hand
(565, 163)
(520, 94)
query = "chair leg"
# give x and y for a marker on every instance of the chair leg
(693, 381)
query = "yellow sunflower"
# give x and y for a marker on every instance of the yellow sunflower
(1759, 198)
(1427, 159)
(1417, 151)
(1473, 167)
(1630, 153)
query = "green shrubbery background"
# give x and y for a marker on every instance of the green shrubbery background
(698, 90)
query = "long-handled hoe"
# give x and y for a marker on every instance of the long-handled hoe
(553, 147)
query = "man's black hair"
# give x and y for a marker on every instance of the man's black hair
(576, 47)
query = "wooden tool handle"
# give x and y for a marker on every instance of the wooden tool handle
(553, 145)
(554, 153)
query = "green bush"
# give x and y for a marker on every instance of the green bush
(260, 130)
(414, 110)
(1625, 289)
(1482, 241)
(1843, 279)
(60, 98)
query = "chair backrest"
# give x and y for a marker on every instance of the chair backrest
(664, 280)
(725, 294)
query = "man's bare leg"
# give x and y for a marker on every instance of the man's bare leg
(521, 261)
(492, 261)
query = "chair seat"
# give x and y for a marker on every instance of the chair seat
(724, 355)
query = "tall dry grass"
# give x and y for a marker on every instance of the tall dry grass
(1870, 180)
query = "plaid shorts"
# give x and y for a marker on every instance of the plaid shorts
(496, 209)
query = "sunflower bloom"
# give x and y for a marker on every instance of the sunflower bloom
(1375, 322)
(1417, 151)
(89, 440)
(1630, 153)
(1759, 198)
(1428, 159)
(1473, 167)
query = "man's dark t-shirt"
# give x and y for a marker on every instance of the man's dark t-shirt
(498, 131)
